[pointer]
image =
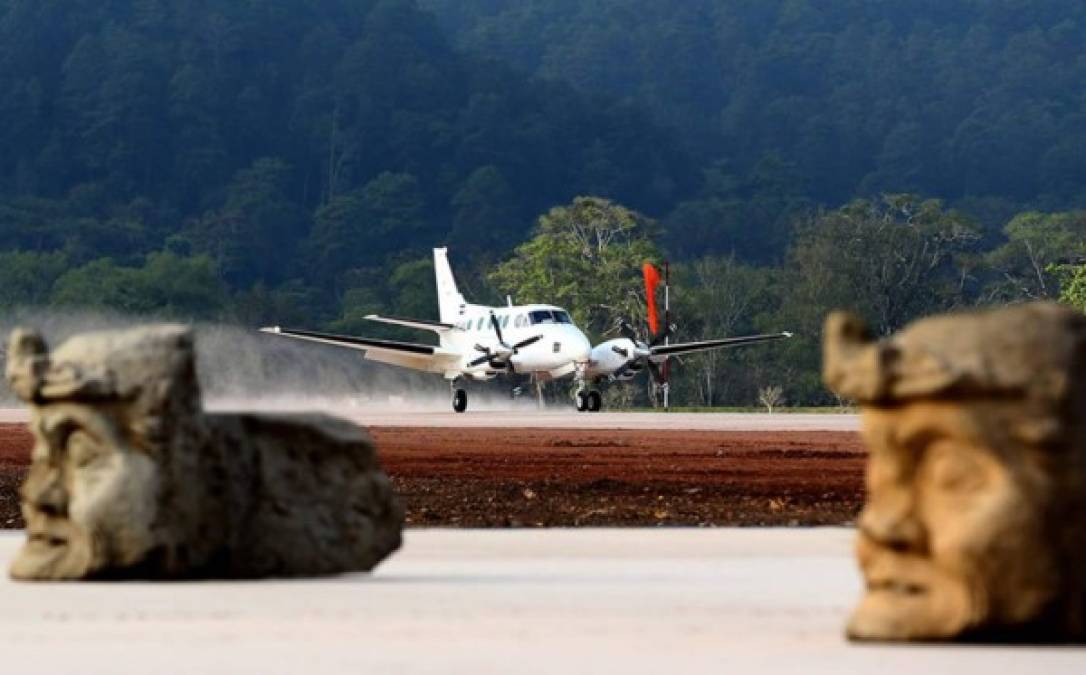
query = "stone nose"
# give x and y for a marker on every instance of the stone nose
(892, 522)
(44, 490)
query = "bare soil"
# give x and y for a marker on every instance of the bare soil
(464, 477)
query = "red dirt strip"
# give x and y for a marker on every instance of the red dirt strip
(498, 477)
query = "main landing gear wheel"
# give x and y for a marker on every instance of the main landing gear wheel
(460, 400)
(589, 401)
(595, 401)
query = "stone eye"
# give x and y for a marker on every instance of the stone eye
(82, 450)
(953, 469)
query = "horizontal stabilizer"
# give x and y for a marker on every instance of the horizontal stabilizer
(421, 324)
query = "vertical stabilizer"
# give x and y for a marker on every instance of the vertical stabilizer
(449, 300)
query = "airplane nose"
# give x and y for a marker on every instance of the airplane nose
(581, 348)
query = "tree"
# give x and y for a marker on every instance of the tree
(357, 304)
(337, 240)
(291, 303)
(254, 233)
(1072, 284)
(362, 228)
(27, 277)
(771, 396)
(719, 297)
(586, 257)
(485, 209)
(746, 216)
(412, 289)
(166, 285)
(1035, 243)
(891, 260)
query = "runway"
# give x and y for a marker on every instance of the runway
(525, 601)
(528, 418)
(617, 420)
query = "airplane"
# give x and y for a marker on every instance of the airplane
(479, 342)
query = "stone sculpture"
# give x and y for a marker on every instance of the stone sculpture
(130, 478)
(975, 521)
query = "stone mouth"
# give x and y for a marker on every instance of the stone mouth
(47, 539)
(897, 587)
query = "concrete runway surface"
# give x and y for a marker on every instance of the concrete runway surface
(555, 419)
(615, 420)
(523, 601)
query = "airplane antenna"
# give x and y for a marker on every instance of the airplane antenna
(509, 300)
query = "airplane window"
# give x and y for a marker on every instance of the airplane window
(479, 324)
(541, 316)
(562, 317)
(505, 321)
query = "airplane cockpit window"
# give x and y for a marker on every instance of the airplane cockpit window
(541, 316)
(562, 317)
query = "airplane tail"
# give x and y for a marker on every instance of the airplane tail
(449, 299)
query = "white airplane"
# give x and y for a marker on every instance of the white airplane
(478, 342)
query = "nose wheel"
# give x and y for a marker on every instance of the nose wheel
(590, 401)
(460, 400)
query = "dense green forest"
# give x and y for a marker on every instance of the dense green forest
(293, 161)
(790, 102)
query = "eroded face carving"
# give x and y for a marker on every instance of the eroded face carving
(131, 479)
(956, 533)
(89, 499)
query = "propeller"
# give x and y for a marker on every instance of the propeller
(499, 358)
(641, 354)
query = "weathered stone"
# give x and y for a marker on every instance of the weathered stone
(131, 478)
(975, 521)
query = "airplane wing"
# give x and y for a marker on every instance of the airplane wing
(427, 358)
(687, 347)
(421, 324)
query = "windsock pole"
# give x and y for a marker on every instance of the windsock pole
(667, 328)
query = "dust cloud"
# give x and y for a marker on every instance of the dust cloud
(243, 369)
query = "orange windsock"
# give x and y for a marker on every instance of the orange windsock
(652, 280)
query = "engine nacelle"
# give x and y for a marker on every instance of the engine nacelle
(609, 357)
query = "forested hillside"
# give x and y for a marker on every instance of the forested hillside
(790, 102)
(289, 140)
(293, 161)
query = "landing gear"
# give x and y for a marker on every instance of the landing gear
(590, 401)
(587, 400)
(595, 401)
(460, 400)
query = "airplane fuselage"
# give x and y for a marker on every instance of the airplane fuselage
(561, 346)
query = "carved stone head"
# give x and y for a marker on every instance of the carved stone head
(975, 520)
(129, 477)
(106, 411)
